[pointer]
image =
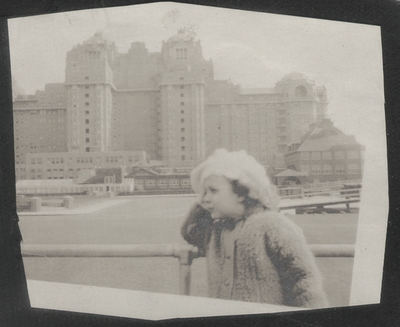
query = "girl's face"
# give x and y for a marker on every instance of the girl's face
(220, 199)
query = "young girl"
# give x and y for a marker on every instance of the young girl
(253, 252)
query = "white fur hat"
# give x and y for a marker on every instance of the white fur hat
(240, 166)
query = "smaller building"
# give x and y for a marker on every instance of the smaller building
(47, 187)
(69, 165)
(326, 154)
(109, 180)
(160, 180)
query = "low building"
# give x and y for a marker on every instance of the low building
(109, 180)
(326, 154)
(47, 187)
(96, 181)
(147, 179)
(69, 165)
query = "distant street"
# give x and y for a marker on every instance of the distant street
(158, 220)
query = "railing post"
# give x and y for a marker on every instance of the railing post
(36, 204)
(186, 257)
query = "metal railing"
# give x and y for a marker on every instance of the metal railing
(185, 253)
(320, 198)
(325, 185)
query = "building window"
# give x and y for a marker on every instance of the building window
(327, 169)
(305, 168)
(87, 140)
(182, 139)
(87, 121)
(86, 77)
(353, 154)
(353, 168)
(86, 86)
(182, 111)
(305, 155)
(162, 182)
(301, 91)
(181, 53)
(185, 181)
(86, 103)
(87, 130)
(182, 103)
(173, 181)
(182, 120)
(183, 158)
(182, 87)
(87, 112)
(182, 95)
(315, 155)
(183, 148)
(87, 95)
(339, 169)
(316, 169)
(327, 155)
(87, 149)
(339, 154)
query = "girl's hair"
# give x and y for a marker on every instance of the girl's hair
(241, 190)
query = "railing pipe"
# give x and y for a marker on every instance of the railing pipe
(105, 250)
(185, 253)
(332, 250)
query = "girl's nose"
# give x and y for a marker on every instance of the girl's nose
(206, 197)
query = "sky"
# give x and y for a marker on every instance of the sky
(250, 48)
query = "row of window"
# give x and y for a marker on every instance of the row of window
(328, 169)
(41, 112)
(57, 160)
(325, 155)
(164, 181)
(181, 53)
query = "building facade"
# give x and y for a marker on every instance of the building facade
(326, 154)
(148, 180)
(73, 165)
(167, 104)
(264, 121)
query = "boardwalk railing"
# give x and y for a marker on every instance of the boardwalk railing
(326, 189)
(185, 253)
(318, 198)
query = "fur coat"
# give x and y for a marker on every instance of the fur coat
(270, 262)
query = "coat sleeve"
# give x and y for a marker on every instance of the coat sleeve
(300, 277)
(196, 228)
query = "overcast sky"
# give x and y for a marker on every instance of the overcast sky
(250, 48)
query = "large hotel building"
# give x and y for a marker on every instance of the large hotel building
(118, 108)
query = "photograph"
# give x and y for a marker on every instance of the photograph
(198, 161)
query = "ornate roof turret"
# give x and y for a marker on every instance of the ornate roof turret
(184, 34)
(97, 38)
(295, 76)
